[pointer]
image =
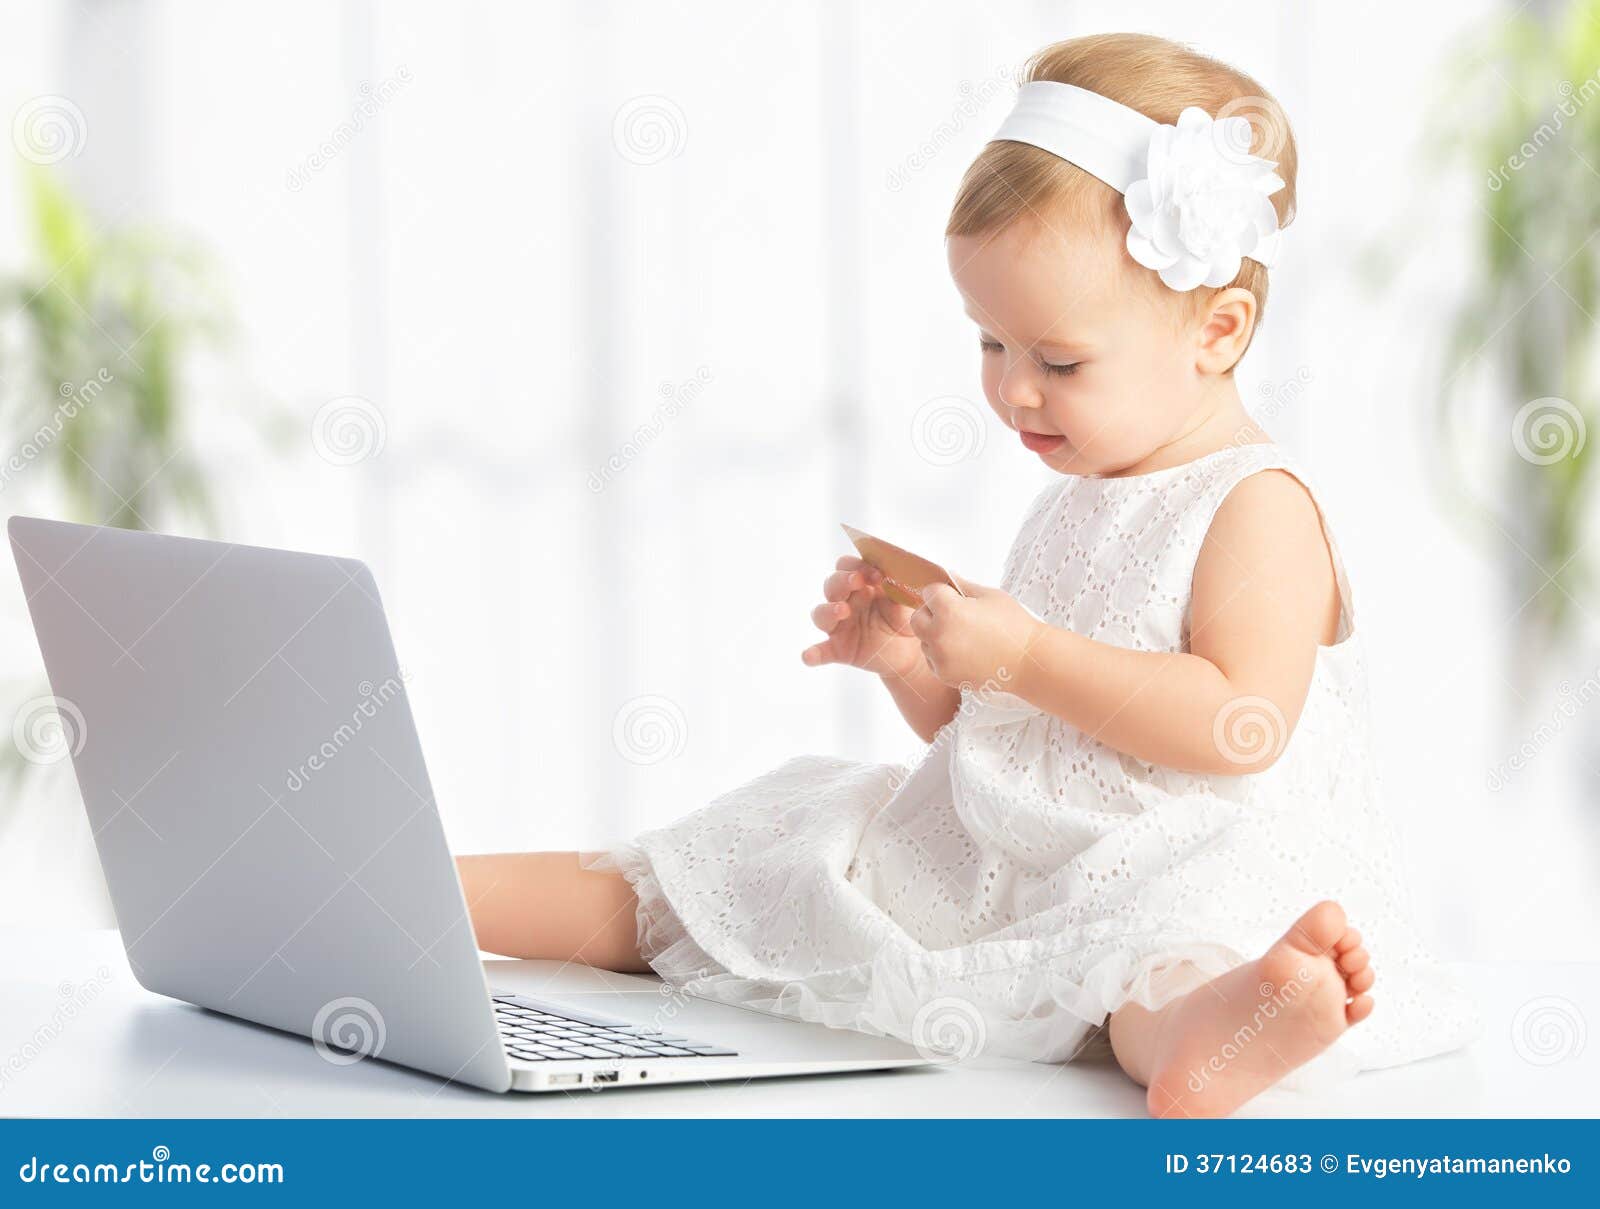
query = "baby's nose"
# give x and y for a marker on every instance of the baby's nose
(1019, 388)
(1016, 391)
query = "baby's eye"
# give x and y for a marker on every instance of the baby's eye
(989, 346)
(1059, 370)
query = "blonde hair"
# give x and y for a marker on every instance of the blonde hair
(1158, 78)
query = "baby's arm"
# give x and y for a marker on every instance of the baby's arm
(925, 701)
(1264, 597)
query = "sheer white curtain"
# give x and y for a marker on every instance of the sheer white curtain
(643, 300)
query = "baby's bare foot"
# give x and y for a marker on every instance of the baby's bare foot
(1234, 1037)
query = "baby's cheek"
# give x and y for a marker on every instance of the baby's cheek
(1095, 431)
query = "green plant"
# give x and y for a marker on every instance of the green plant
(1522, 110)
(98, 328)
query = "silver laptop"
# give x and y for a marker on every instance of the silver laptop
(240, 730)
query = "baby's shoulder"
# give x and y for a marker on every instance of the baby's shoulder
(1268, 504)
(1270, 532)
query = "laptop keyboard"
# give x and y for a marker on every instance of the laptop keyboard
(540, 1032)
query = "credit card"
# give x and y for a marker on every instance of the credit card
(904, 574)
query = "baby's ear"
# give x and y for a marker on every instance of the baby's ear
(1225, 328)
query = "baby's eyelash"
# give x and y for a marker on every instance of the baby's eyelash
(1059, 371)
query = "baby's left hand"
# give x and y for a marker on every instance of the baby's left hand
(975, 639)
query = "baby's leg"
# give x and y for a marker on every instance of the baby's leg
(544, 904)
(1207, 1052)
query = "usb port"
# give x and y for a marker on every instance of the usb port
(605, 1076)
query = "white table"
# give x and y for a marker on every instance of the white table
(122, 1051)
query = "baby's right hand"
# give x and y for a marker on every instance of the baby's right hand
(865, 628)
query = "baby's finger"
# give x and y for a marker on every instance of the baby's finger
(826, 617)
(816, 656)
(871, 573)
(841, 583)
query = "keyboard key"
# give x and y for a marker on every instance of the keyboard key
(712, 1051)
(590, 1051)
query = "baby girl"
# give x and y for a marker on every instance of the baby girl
(1147, 815)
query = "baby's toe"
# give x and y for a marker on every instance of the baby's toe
(1358, 1009)
(1354, 961)
(1361, 981)
(1319, 929)
(1350, 940)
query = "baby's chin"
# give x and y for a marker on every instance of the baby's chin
(1069, 459)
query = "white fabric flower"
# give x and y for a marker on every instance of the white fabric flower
(1202, 206)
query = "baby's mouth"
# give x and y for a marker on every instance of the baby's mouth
(1040, 442)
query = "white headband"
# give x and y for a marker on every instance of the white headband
(1196, 197)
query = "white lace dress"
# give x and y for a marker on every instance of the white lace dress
(1021, 881)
